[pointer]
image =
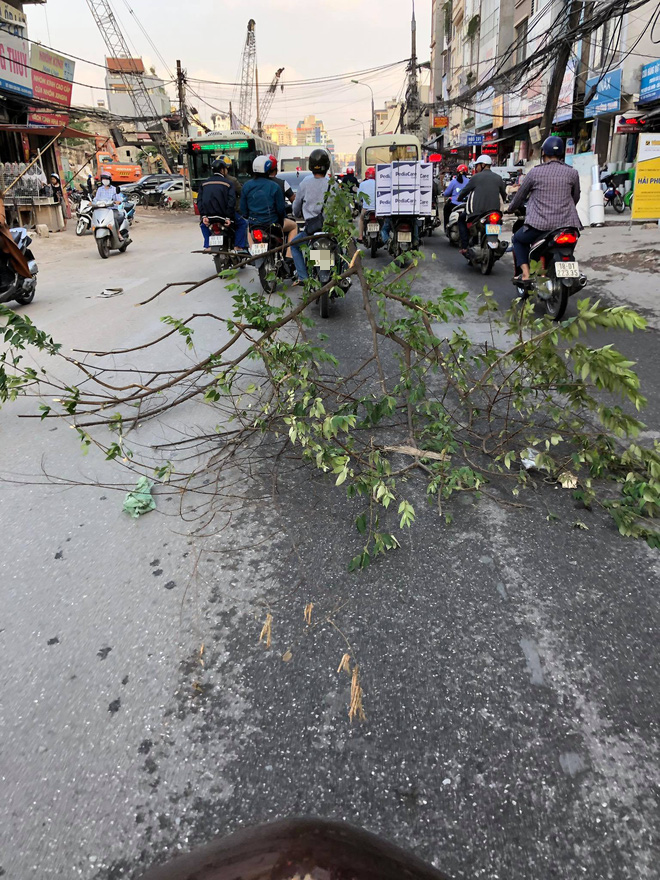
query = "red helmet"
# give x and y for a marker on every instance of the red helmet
(462, 169)
(348, 171)
(370, 174)
(273, 159)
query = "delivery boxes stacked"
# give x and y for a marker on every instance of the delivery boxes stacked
(404, 188)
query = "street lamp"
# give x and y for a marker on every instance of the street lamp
(359, 122)
(373, 112)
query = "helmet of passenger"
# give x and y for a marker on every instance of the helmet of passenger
(220, 163)
(318, 162)
(273, 160)
(262, 165)
(462, 169)
(553, 146)
(370, 174)
(483, 160)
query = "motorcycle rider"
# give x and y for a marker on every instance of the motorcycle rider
(367, 188)
(482, 194)
(551, 191)
(289, 226)
(262, 201)
(350, 179)
(456, 184)
(108, 193)
(309, 202)
(217, 197)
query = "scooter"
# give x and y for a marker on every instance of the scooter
(372, 237)
(110, 229)
(84, 213)
(613, 195)
(555, 272)
(430, 222)
(273, 266)
(484, 245)
(222, 244)
(13, 285)
(128, 208)
(402, 236)
(325, 255)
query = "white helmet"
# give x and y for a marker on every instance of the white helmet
(483, 160)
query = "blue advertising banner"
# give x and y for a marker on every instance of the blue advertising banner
(608, 93)
(650, 85)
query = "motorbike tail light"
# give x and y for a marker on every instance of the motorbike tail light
(565, 238)
(216, 229)
(494, 217)
(257, 235)
(404, 227)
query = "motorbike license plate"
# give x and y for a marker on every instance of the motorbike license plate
(257, 249)
(373, 227)
(567, 270)
(405, 236)
(216, 240)
(493, 229)
(324, 259)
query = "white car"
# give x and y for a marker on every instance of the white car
(175, 191)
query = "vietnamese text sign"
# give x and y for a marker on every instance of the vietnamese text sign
(12, 20)
(52, 76)
(607, 98)
(650, 84)
(440, 122)
(15, 73)
(646, 195)
(475, 140)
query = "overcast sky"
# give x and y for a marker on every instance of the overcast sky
(309, 39)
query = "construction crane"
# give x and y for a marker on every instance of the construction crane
(145, 108)
(248, 67)
(267, 101)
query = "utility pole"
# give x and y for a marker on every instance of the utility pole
(183, 115)
(413, 105)
(563, 56)
(256, 91)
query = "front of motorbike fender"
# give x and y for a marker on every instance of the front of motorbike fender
(101, 232)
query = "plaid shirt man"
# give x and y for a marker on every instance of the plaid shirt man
(552, 191)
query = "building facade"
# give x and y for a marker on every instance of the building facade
(120, 101)
(281, 134)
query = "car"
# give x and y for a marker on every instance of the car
(294, 178)
(173, 191)
(147, 184)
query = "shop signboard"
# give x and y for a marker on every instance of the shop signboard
(630, 122)
(649, 89)
(564, 110)
(498, 110)
(12, 20)
(15, 73)
(607, 97)
(475, 140)
(646, 199)
(52, 77)
(440, 122)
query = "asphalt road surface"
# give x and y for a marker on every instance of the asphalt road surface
(509, 663)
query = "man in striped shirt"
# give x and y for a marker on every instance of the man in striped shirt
(551, 191)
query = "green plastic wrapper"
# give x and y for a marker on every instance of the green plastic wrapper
(139, 501)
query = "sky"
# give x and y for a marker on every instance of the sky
(310, 40)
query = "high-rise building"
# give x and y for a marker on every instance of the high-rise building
(311, 131)
(281, 134)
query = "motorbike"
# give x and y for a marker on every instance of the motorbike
(272, 266)
(13, 285)
(555, 274)
(613, 195)
(372, 237)
(107, 234)
(484, 245)
(325, 255)
(402, 235)
(430, 222)
(84, 212)
(222, 244)
(298, 848)
(128, 207)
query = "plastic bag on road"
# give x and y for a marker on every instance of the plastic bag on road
(139, 501)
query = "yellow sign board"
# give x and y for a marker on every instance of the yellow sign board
(646, 196)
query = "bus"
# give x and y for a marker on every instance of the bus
(385, 148)
(242, 147)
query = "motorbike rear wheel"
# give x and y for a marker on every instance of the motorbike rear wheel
(104, 247)
(374, 250)
(324, 306)
(556, 304)
(618, 204)
(487, 260)
(267, 269)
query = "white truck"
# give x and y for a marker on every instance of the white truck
(295, 158)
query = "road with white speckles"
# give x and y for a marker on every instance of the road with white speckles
(509, 664)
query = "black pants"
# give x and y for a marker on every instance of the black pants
(463, 230)
(446, 211)
(523, 239)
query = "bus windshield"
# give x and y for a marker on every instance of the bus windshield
(202, 154)
(381, 154)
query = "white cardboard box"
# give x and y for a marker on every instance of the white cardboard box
(424, 201)
(384, 176)
(404, 175)
(383, 202)
(404, 200)
(425, 174)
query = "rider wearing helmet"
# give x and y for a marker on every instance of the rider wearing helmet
(289, 226)
(368, 189)
(482, 194)
(217, 197)
(309, 201)
(456, 184)
(262, 201)
(349, 178)
(109, 193)
(551, 191)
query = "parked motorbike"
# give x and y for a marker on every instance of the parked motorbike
(613, 195)
(222, 244)
(12, 285)
(325, 255)
(111, 229)
(273, 265)
(484, 245)
(555, 274)
(372, 237)
(84, 213)
(128, 207)
(402, 235)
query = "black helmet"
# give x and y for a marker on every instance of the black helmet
(553, 146)
(319, 162)
(222, 162)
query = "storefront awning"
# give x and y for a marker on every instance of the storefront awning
(47, 131)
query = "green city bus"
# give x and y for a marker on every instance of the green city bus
(242, 147)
